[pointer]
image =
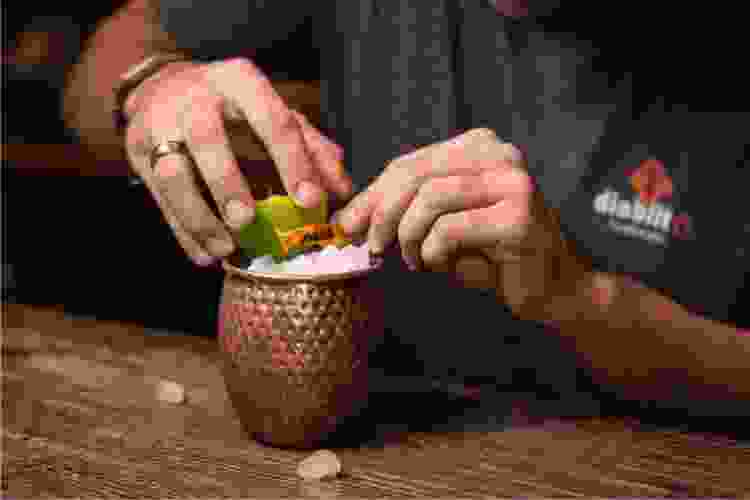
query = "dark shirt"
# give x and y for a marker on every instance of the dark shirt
(401, 74)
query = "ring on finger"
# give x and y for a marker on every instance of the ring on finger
(166, 148)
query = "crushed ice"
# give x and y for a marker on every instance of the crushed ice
(329, 260)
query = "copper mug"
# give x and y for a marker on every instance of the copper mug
(295, 350)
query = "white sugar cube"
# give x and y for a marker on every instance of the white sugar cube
(323, 464)
(170, 392)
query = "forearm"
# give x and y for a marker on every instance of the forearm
(127, 37)
(89, 98)
(650, 347)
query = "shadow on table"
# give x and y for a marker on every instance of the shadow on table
(392, 416)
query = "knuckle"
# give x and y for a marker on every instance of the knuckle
(229, 182)
(482, 133)
(405, 234)
(219, 246)
(444, 232)
(166, 169)
(393, 166)
(286, 125)
(474, 218)
(478, 219)
(434, 191)
(512, 153)
(419, 169)
(408, 230)
(206, 128)
(426, 253)
(466, 185)
(182, 95)
(202, 227)
(407, 170)
(379, 217)
(231, 112)
(299, 117)
(433, 247)
(241, 64)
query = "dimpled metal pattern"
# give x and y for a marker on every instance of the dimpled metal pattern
(295, 352)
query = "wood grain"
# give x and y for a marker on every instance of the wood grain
(80, 418)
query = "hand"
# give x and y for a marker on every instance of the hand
(191, 102)
(468, 206)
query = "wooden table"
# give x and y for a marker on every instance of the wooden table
(80, 418)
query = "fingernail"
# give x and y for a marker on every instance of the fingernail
(238, 213)
(204, 260)
(375, 246)
(308, 194)
(217, 246)
(338, 152)
(410, 262)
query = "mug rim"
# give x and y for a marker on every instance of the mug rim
(299, 278)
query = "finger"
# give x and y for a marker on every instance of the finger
(176, 182)
(355, 216)
(273, 121)
(208, 142)
(481, 229)
(386, 199)
(329, 158)
(469, 154)
(193, 250)
(441, 195)
(453, 194)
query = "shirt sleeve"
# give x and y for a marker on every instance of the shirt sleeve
(219, 29)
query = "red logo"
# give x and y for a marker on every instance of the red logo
(651, 181)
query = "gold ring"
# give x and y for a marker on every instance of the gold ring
(167, 148)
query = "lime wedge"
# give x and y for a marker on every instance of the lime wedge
(277, 214)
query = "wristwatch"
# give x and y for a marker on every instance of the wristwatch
(133, 77)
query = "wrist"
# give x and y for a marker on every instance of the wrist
(592, 296)
(604, 301)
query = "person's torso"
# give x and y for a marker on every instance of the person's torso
(654, 194)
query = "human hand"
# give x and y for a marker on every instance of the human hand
(191, 103)
(469, 207)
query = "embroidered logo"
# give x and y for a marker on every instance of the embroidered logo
(651, 182)
(649, 215)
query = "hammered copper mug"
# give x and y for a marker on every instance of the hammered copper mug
(295, 351)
